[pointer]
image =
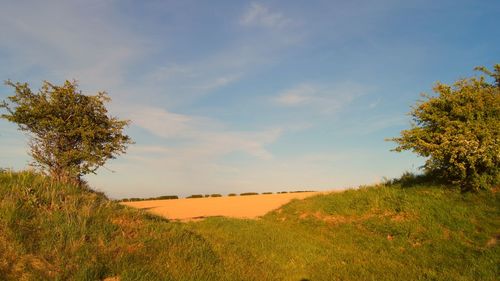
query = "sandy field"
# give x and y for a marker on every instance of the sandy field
(251, 206)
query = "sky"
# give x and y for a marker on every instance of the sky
(241, 96)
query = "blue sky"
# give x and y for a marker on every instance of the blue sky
(235, 96)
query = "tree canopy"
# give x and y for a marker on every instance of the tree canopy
(458, 130)
(71, 134)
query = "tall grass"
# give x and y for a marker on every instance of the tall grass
(50, 231)
(54, 232)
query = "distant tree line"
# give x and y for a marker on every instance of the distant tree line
(167, 197)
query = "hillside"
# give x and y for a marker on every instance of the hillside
(54, 232)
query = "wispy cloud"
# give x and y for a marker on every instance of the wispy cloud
(68, 40)
(217, 82)
(298, 95)
(259, 15)
(183, 81)
(161, 122)
(374, 104)
(321, 98)
(204, 137)
(190, 80)
(373, 124)
(181, 53)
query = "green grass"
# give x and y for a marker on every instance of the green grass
(54, 232)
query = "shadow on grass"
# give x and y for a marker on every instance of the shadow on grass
(155, 218)
(409, 180)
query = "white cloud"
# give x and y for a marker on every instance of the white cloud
(68, 40)
(325, 99)
(187, 154)
(161, 122)
(182, 82)
(193, 79)
(259, 15)
(93, 43)
(374, 104)
(298, 95)
(217, 82)
(204, 137)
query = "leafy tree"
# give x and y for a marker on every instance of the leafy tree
(71, 134)
(459, 131)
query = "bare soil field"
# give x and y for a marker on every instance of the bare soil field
(251, 206)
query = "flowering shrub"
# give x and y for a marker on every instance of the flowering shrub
(459, 131)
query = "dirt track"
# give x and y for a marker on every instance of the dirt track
(252, 206)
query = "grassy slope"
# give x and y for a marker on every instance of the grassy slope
(48, 231)
(54, 232)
